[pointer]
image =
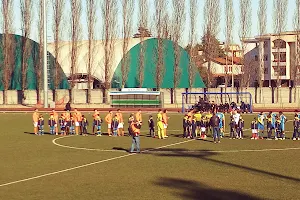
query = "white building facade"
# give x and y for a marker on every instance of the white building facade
(278, 55)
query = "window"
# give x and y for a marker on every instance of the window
(266, 70)
(266, 57)
(256, 58)
(279, 43)
(266, 44)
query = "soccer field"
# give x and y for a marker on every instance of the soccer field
(77, 167)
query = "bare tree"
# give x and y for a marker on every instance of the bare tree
(91, 21)
(75, 35)
(143, 13)
(160, 23)
(127, 13)
(295, 70)
(229, 15)
(177, 26)
(262, 16)
(38, 57)
(26, 9)
(211, 28)
(8, 46)
(245, 30)
(193, 17)
(109, 17)
(58, 8)
(280, 9)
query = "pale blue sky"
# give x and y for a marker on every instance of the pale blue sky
(221, 35)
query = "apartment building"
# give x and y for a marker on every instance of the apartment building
(279, 58)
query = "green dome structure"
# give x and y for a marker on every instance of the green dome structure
(33, 59)
(150, 60)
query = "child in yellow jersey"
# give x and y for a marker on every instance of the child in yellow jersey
(160, 125)
(198, 117)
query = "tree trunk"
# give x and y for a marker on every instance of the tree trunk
(4, 96)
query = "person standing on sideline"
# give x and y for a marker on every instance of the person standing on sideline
(135, 137)
(214, 122)
(138, 118)
(35, 119)
(165, 120)
(160, 125)
(95, 116)
(55, 115)
(108, 120)
(121, 123)
(78, 118)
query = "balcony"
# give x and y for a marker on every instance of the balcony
(275, 49)
(281, 63)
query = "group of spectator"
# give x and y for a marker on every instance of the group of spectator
(205, 106)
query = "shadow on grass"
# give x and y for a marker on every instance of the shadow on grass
(205, 155)
(192, 190)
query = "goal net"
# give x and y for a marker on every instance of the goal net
(236, 100)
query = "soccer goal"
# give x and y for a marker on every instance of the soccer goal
(189, 99)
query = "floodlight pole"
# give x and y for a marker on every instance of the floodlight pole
(45, 56)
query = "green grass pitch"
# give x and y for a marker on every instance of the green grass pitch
(33, 167)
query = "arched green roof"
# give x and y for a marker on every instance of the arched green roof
(33, 59)
(150, 57)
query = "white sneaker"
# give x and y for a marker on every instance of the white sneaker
(252, 138)
(294, 139)
(276, 138)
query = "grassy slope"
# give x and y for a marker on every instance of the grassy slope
(168, 173)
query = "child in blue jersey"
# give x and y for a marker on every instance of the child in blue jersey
(185, 126)
(254, 127)
(269, 126)
(296, 124)
(151, 126)
(282, 123)
(41, 125)
(222, 123)
(240, 128)
(62, 124)
(71, 125)
(97, 124)
(232, 127)
(203, 127)
(114, 125)
(84, 126)
(277, 128)
(273, 119)
(52, 123)
(193, 127)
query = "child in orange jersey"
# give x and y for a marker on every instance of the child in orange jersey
(35, 119)
(108, 120)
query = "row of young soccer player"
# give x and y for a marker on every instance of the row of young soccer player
(75, 123)
(196, 123)
(274, 123)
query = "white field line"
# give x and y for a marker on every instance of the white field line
(101, 150)
(80, 148)
(86, 165)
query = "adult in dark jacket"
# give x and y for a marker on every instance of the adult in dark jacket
(214, 122)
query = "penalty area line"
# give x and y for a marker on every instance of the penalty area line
(87, 165)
